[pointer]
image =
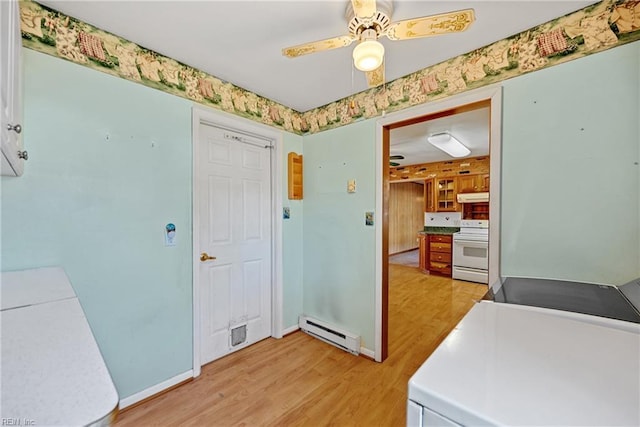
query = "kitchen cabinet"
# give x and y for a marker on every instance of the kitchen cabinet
(428, 196)
(440, 254)
(13, 156)
(473, 183)
(436, 253)
(446, 195)
(423, 262)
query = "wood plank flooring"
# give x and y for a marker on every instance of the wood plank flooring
(301, 381)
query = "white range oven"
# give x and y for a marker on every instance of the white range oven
(471, 251)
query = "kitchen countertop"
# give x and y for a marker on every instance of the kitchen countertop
(439, 230)
(52, 369)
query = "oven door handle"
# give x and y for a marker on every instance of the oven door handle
(471, 243)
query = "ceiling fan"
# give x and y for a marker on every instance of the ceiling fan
(368, 22)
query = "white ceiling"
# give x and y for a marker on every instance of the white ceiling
(240, 41)
(470, 128)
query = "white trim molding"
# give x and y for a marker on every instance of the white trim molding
(366, 352)
(203, 115)
(155, 389)
(492, 93)
(290, 330)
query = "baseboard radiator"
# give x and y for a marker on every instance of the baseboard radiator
(330, 334)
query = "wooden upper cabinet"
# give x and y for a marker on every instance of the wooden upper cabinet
(428, 196)
(473, 183)
(466, 184)
(484, 181)
(445, 191)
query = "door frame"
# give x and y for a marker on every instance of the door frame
(493, 94)
(202, 115)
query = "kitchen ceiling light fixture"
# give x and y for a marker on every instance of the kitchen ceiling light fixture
(449, 144)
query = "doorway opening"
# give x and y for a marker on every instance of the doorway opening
(459, 104)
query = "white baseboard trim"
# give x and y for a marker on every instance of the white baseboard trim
(290, 330)
(141, 395)
(367, 352)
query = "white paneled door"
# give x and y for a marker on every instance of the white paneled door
(234, 174)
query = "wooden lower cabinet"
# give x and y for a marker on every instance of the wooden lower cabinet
(435, 253)
(424, 252)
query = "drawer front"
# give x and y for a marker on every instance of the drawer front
(440, 257)
(440, 247)
(440, 238)
(439, 267)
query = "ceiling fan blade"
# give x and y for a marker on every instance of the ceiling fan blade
(364, 8)
(376, 77)
(317, 46)
(397, 157)
(433, 25)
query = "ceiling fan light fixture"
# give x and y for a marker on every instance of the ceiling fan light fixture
(368, 55)
(449, 144)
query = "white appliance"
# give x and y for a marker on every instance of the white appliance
(472, 197)
(509, 365)
(471, 251)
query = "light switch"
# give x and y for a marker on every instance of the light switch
(351, 186)
(170, 235)
(368, 218)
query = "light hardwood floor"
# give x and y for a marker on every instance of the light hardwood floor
(301, 381)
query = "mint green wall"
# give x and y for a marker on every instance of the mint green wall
(292, 249)
(98, 208)
(570, 184)
(570, 205)
(339, 250)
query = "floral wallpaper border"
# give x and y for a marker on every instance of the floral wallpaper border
(593, 29)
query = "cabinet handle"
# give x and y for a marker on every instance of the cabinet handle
(16, 128)
(23, 155)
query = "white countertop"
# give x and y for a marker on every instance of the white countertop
(505, 364)
(52, 369)
(30, 287)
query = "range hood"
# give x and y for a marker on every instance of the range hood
(473, 197)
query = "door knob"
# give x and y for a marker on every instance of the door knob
(206, 257)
